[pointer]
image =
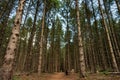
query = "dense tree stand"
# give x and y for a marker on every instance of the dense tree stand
(59, 39)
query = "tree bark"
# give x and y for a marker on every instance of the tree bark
(109, 40)
(82, 61)
(41, 40)
(7, 68)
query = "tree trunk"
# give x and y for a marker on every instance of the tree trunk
(41, 40)
(109, 40)
(7, 68)
(4, 26)
(118, 5)
(28, 61)
(82, 61)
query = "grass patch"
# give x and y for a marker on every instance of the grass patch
(16, 78)
(105, 72)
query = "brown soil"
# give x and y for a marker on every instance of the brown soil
(72, 76)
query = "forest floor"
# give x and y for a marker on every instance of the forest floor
(71, 76)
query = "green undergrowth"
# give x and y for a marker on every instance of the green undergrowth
(106, 72)
(16, 78)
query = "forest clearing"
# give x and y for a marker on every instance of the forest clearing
(59, 39)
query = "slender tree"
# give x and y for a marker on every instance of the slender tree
(80, 44)
(30, 42)
(41, 40)
(118, 5)
(115, 67)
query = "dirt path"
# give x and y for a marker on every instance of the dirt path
(62, 76)
(57, 76)
(54, 76)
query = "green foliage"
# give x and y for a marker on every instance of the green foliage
(106, 72)
(56, 3)
(52, 4)
(16, 78)
(29, 22)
